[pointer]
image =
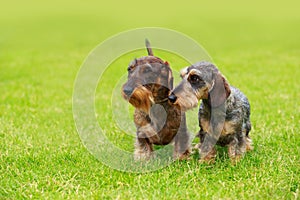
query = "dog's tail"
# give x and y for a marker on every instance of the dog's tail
(149, 49)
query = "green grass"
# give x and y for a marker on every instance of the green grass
(42, 46)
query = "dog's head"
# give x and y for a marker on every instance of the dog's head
(149, 80)
(200, 81)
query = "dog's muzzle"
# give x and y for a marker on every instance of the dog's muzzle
(128, 90)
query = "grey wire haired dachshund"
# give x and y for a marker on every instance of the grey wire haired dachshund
(157, 120)
(224, 114)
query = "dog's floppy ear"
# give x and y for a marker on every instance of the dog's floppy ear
(168, 73)
(149, 49)
(220, 90)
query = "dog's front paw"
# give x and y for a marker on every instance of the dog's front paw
(182, 156)
(209, 157)
(143, 155)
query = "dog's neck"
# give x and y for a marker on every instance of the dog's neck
(160, 93)
(206, 103)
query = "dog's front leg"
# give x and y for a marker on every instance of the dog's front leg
(208, 140)
(143, 149)
(182, 141)
(207, 149)
(146, 136)
(213, 124)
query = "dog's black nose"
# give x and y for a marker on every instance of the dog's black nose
(172, 98)
(128, 90)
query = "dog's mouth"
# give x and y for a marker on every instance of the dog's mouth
(140, 97)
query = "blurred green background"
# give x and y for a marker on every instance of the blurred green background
(256, 45)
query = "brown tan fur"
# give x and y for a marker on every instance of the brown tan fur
(158, 121)
(224, 113)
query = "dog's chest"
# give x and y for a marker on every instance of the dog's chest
(228, 127)
(171, 125)
(165, 121)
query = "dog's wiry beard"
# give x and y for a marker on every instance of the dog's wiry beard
(141, 98)
(201, 93)
(187, 102)
(187, 97)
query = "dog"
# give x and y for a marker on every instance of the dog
(158, 121)
(224, 113)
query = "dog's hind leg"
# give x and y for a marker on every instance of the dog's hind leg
(246, 130)
(237, 147)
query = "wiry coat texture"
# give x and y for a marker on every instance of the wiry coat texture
(157, 120)
(224, 113)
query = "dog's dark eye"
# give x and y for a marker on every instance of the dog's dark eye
(194, 79)
(130, 68)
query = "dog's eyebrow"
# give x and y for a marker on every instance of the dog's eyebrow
(195, 71)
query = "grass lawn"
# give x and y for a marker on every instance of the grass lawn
(42, 46)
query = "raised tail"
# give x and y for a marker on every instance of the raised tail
(149, 49)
